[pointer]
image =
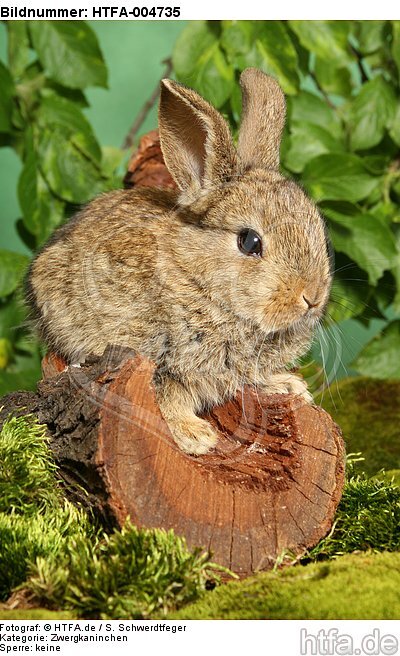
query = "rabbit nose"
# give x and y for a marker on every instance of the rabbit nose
(311, 304)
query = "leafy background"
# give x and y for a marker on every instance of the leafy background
(342, 142)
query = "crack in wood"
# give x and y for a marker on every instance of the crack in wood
(232, 529)
(321, 488)
(296, 523)
(316, 448)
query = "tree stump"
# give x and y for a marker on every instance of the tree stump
(272, 483)
(146, 167)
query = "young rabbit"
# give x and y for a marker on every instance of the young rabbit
(220, 284)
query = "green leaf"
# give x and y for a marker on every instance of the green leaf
(364, 238)
(62, 114)
(370, 35)
(376, 164)
(308, 108)
(380, 358)
(27, 189)
(387, 212)
(347, 298)
(237, 39)
(200, 63)
(113, 166)
(29, 85)
(76, 96)
(338, 177)
(68, 160)
(396, 187)
(12, 322)
(394, 128)
(396, 44)
(266, 45)
(12, 267)
(303, 56)
(306, 142)
(42, 212)
(333, 80)
(23, 374)
(69, 53)
(47, 210)
(396, 269)
(372, 111)
(18, 46)
(396, 275)
(6, 351)
(278, 56)
(12, 315)
(326, 39)
(68, 172)
(6, 99)
(236, 103)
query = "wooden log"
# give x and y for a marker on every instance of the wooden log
(272, 483)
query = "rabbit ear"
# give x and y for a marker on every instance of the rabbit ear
(195, 141)
(263, 119)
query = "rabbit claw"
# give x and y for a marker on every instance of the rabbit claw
(194, 435)
(287, 383)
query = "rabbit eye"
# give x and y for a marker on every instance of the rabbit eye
(249, 242)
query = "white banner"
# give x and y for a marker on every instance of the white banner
(180, 638)
(190, 10)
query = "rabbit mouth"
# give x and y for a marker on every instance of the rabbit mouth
(308, 318)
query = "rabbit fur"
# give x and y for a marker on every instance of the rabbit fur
(160, 271)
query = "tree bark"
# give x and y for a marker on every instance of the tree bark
(272, 484)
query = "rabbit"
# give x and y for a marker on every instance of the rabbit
(220, 282)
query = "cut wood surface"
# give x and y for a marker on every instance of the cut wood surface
(272, 483)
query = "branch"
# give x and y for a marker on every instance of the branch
(360, 64)
(323, 92)
(148, 105)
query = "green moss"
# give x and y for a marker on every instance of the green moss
(35, 519)
(23, 539)
(368, 517)
(129, 574)
(27, 470)
(35, 614)
(389, 476)
(352, 587)
(65, 560)
(368, 412)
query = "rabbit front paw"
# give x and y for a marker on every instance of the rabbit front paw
(287, 383)
(193, 435)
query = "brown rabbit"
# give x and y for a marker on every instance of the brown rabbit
(221, 284)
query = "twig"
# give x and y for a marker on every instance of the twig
(360, 64)
(323, 92)
(130, 137)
